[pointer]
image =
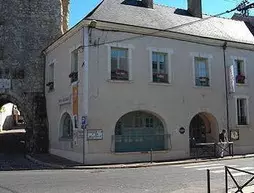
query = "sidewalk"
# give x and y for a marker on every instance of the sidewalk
(62, 163)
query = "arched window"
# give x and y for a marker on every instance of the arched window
(66, 126)
(139, 131)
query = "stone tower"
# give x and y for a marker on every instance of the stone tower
(26, 28)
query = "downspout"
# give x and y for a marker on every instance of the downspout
(226, 87)
(85, 40)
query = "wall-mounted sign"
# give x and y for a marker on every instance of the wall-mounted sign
(64, 100)
(75, 100)
(182, 130)
(95, 134)
(5, 83)
(234, 134)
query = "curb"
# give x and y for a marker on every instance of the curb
(138, 165)
(30, 158)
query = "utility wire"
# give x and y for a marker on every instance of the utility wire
(164, 30)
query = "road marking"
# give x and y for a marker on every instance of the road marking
(198, 166)
(192, 164)
(232, 171)
(241, 174)
(243, 168)
(216, 167)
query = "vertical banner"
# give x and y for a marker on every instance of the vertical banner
(75, 100)
(231, 78)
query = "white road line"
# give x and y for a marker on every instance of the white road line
(232, 171)
(198, 166)
(193, 164)
(241, 174)
(216, 167)
(243, 168)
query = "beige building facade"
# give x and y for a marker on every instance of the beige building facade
(136, 89)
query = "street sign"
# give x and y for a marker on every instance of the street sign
(83, 122)
(96, 134)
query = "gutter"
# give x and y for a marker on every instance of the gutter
(224, 47)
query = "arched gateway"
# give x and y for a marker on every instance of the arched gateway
(22, 64)
(32, 108)
(203, 128)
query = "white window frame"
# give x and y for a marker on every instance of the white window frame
(168, 52)
(234, 58)
(53, 62)
(209, 60)
(72, 64)
(130, 50)
(49, 72)
(75, 47)
(247, 109)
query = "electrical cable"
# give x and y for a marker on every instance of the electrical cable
(165, 30)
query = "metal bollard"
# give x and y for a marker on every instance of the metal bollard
(208, 182)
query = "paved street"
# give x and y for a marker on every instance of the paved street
(12, 152)
(162, 179)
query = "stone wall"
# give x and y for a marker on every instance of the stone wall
(26, 28)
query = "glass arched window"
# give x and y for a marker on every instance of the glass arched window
(66, 126)
(139, 131)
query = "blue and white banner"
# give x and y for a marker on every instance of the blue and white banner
(231, 78)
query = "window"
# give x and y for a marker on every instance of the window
(66, 126)
(160, 67)
(201, 72)
(119, 64)
(242, 111)
(239, 71)
(139, 131)
(74, 66)
(51, 76)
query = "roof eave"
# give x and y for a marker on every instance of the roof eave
(112, 26)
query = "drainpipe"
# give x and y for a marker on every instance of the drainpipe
(226, 86)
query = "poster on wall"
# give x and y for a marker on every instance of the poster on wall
(75, 100)
(231, 78)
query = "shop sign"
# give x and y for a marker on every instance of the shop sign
(64, 100)
(95, 134)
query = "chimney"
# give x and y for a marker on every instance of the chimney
(148, 3)
(195, 8)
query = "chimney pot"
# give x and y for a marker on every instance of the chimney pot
(148, 3)
(195, 8)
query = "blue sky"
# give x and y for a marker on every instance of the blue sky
(79, 8)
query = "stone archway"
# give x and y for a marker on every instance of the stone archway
(32, 107)
(6, 98)
(203, 128)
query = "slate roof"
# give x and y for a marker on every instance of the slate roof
(163, 17)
